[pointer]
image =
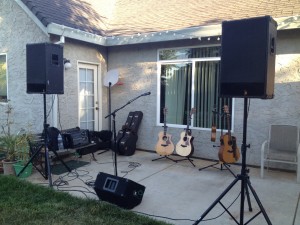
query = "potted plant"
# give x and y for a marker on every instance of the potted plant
(12, 145)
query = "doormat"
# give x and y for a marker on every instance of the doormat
(72, 164)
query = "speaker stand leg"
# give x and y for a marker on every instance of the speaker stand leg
(47, 174)
(245, 183)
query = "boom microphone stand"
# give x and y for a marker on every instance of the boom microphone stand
(245, 183)
(114, 127)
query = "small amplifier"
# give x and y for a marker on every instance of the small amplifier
(76, 137)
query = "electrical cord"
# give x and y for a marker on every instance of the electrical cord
(133, 166)
(173, 219)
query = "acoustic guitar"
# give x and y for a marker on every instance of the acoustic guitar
(228, 152)
(164, 145)
(185, 145)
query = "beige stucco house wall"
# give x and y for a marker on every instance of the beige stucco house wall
(137, 65)
(138, 71)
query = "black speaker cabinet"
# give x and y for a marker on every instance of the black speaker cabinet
(248, 58)
(45, 68)
(119, 191)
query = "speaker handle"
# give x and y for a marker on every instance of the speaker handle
(272, 46)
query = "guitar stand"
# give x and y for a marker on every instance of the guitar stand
(221, 167)
(245, 184)
(165, 157)
(186, 158)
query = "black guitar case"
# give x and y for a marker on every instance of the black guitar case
(127, 137)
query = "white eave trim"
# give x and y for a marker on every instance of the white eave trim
(69, 32)
(188, 33)
(171, 35)
(33, 17)
(284, 23)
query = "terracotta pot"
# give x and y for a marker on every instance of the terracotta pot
(8, 168)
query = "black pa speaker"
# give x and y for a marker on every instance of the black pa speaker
(118, 190)
(45, 68)
(248, 58)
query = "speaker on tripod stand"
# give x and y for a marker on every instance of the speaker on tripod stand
(45, 70)
(247, 71)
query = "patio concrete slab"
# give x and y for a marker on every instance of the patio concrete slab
(179, 193)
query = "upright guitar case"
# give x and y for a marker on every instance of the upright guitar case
(127, 137)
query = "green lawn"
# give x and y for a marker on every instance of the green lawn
(24, 203)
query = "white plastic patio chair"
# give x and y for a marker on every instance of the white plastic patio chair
(281, 147)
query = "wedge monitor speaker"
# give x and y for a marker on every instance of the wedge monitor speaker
(45, 68)
(248, 58)
(118, 190)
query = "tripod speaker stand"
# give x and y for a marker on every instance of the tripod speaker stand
(47, 172)
(245, 183)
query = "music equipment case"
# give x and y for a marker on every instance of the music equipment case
(127, 137)
(248, 58)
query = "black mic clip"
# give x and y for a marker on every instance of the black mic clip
(147, 93)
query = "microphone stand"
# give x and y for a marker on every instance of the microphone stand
(113, 114)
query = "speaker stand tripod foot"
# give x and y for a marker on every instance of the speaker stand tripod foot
(245, 184)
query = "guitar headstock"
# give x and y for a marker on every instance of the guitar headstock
(193, 110)
(226, 110)
(165, 110)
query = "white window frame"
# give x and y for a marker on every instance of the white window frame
(193, 61)
(6, 58)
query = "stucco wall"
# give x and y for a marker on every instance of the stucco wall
(78, 52)
(138, 72)
(137, 65)
(16, 30)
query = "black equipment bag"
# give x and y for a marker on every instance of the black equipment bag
(127, 137)
(127, 144)
(52, 137)
(102, 139)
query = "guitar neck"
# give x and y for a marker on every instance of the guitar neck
(165, 123)
(229, 128)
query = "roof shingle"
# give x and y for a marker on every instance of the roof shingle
(125, 17)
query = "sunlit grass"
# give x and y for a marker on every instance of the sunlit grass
(24, 203)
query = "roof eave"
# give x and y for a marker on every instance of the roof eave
(76, 34)
(284, 23)
(188, 33)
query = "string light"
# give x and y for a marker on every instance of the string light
(140, 36)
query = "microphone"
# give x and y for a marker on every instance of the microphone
(147, 93)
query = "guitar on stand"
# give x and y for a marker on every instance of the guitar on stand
(213, 139)
(228, 152)
(164, 145)
(185, 145)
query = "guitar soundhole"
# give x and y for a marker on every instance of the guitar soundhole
(185, 139)
(165, 138)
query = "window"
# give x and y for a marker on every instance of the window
(189, 79)
(3, 78)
